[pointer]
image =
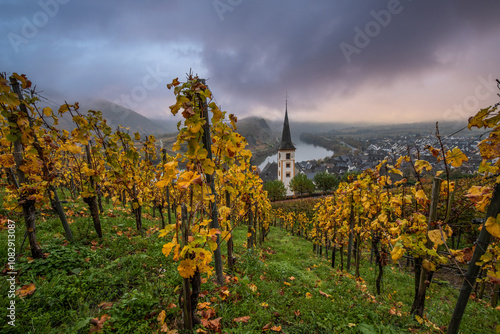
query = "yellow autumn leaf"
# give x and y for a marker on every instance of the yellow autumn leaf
(7, 160)
(445, 186)
(435, 237)
(195, 128)
(420, 165)
(47, 111)
(428, 265)
(161, 317)
(380, 165)
(208, 166)
(162, 183)
(308, 295)
(166, 230)
(72, 148)
(276, 328)
(393, 241)
(421, 197)
(187, 268)
(397, 253)
(205, 222)
(176, 252)
(252, 287)
(396, 171)
(226, 235)
(382, 218)
(217, 114)
(87, 171)
(212, 244)
(493, 226)
(167, 248)
(214, 231)
(456, 157)
(187, 178)
(419, 319)
(494, 276)
(394, 230)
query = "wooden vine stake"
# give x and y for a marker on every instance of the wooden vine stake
(190, 286)
(250, 233)
(470, 277)
(423, 277)
(53, 196)
(92, 200)
(207, 144)
(351, 234)
(27, 204)
(230, 243)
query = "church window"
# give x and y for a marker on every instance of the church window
(287, 165)
(288, 156)
(287, 174)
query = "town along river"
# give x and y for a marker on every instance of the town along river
(303, 152)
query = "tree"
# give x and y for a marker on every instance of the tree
(301, 184)
(325, 181)
(276, 189)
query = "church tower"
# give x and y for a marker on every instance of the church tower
(286, 155)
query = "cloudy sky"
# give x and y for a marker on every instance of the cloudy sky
(384, 61)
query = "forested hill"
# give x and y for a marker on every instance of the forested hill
(118, 115)
(257, 132)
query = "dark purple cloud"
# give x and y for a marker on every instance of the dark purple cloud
(252, 52)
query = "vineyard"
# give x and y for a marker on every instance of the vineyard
(105, 232)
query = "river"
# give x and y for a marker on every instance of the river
(303, 152)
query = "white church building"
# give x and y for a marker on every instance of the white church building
(286, 156)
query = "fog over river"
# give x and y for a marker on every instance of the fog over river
(303, 152)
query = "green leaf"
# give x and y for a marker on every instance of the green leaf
(76, 271)
(80, 324)
(11, 137)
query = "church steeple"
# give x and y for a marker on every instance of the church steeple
(286, 137)
(286, 156)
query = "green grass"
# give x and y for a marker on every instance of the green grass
(294, 289)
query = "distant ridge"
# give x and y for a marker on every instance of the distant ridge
(115, 115)
(257, 132)
(118, 115)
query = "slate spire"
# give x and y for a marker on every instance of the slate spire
(286, 137)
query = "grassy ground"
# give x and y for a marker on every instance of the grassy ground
(122, 283)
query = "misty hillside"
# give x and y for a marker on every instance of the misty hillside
(256, 131)
(260, 137)
(117, 115)
(423, 128)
